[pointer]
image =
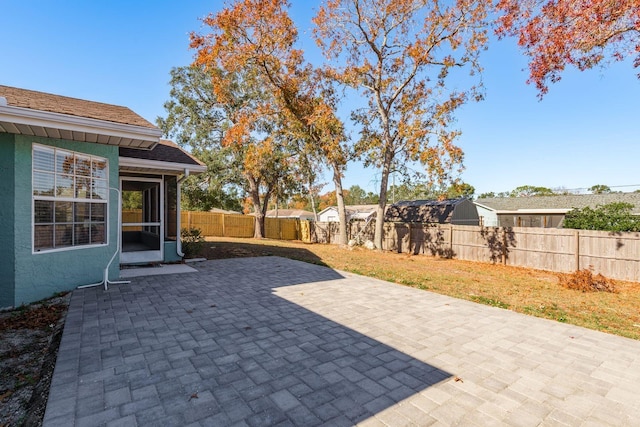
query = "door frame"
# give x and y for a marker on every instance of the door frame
(151, 255)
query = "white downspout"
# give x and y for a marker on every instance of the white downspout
(178, 219)
(105, 280)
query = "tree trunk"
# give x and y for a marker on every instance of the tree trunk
(313, 207)
(382, 203)
(342, 213)
(258, 208)
(258, 229)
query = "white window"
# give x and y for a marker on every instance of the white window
(70, 199)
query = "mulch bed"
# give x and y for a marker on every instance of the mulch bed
(29, 341)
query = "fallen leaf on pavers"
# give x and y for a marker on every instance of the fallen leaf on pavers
(189, 311)
(458, 379)
(193, 396)
(246, 328)
(213, 306)
(6, 394)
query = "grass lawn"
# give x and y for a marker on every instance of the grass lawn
(532, 292)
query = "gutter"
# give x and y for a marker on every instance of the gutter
(178, 219)
(144, 137)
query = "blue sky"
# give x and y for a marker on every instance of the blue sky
(584, 132)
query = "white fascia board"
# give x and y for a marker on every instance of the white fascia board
(485, 207)
(132, 162)
(533, 211)
(29, 117)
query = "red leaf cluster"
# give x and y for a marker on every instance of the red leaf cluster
(580, 33)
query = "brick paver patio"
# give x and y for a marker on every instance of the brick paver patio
(271, 341)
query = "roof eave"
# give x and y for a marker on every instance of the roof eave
(140, 165)
(533, 211)
(26, 121)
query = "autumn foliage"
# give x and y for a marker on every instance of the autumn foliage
(399, 56)
(581, 33)
(256, 38)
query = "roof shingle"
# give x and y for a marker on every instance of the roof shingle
(165, 151)
(42, 101)
(577, 201)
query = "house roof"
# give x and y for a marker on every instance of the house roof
(289, 213)
(558, 203)
(224, 211)
(354, 211)
(42, 101)
(166, 156)
(422, 211)
(30, 112)
(165, 151)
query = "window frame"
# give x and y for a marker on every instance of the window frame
(96, 184)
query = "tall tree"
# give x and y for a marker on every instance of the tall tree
(600, 189)
(460, 189)
(579, 33)
(398, 54)
(260, 34)
(226, 127)
(531, 190)
(196, 120)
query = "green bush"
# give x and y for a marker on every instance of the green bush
(610, 217)
(191, 241)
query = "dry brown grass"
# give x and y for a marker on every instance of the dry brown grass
(532, 292)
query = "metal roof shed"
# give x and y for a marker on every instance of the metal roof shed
(450, 211)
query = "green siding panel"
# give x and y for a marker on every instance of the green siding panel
(40, 275)
(7, 217)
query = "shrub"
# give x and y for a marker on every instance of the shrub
(615, 216)
(585, 281)
(191, 239)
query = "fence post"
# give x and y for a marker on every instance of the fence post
(577, 238)
(224, 232)
(451, 240)
(504, 246)
(189, 219)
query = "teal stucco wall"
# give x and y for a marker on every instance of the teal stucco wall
(171, 251)
(7, 217)
(40, 275)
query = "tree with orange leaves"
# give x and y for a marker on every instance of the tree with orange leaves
(259, 35)
(227, 126)
(398, 54)
(580, 33)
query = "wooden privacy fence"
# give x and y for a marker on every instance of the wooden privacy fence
(132, 215)
(218, 224)
(615, 255)
(236, 225)
(282, 228)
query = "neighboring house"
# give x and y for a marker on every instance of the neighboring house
(451, 211)
(290, 213)
(355, 212)
(223, 211)
(65, 166)
(544, 211)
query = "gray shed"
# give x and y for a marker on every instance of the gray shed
(451, 211)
